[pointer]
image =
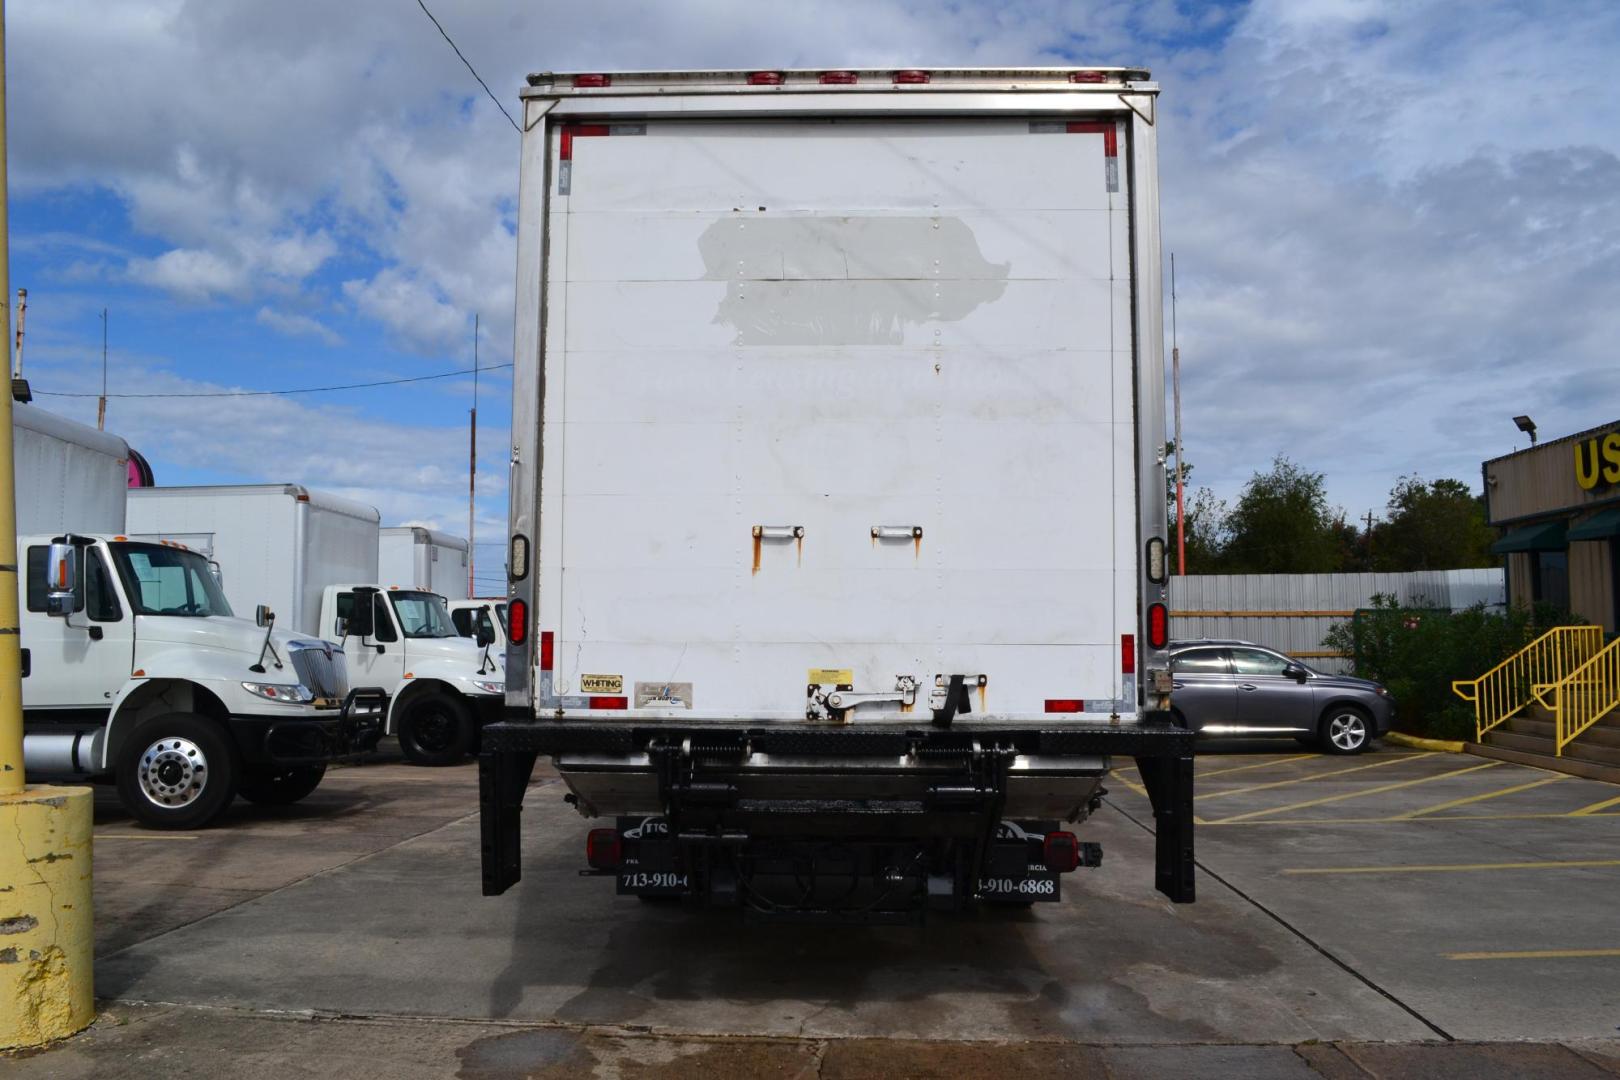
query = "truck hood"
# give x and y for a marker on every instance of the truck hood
(214, 632)
(452, 650)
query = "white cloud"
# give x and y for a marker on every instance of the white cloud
(295, 325)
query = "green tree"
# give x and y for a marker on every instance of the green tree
(1433, 526)
(1281, 524)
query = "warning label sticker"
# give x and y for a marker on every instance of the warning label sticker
(601, 684)
(836, 676)
(663, 695)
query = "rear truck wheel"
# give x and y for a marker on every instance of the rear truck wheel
(177, 771)
(1345, 729)
(435, 729)
(268, 785)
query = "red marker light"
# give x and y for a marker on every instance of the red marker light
(1065, 705)
(842, 78)
(591, 81)
(603, 850)
(610, 703)
(1061, 852)
(764, 78)
(911, 77)
(1158, 627)
(1127, 654)
(1088, 76)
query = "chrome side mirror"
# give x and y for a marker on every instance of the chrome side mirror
(61, 574)
(263, 616)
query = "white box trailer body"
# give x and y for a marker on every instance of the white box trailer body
(277, 544)
(837, 407)
(414, 557)
(70, 477)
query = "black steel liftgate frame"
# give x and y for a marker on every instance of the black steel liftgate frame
(1163, 753)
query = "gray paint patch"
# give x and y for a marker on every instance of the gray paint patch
(18, 924)
(836, 281)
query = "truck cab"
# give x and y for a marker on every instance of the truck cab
(135, 669)
(442, 688)
(488, 611)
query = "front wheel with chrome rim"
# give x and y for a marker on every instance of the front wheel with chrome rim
(1345, 730)
(177, 771)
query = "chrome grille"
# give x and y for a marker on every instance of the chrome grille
(321, 668)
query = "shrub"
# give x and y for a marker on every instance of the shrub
(1417, 652)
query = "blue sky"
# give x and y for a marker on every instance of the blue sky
(1396, 224)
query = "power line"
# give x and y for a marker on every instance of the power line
(282, 393)
(470, 68)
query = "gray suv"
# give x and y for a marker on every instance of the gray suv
(1243, 689)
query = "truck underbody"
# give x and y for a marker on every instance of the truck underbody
(870, 824)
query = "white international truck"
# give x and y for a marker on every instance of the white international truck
(414, 557)
(837, 533)
(135, 669)
(481, 614)
(312, 558)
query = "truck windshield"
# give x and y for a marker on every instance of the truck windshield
(164, 580)
(422, 614)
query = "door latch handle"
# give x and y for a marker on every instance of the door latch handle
(897, 532)
(1247, 686)
(1175, 686)
(779, 532)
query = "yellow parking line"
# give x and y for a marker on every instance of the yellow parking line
(1355, 794)
(144, 836)
(1595, 807)
(1438, 868)
(1138, 788)
(1404, 820)
(1396, 760)
(1202, 775)
(1535, 954)
(1481, 798)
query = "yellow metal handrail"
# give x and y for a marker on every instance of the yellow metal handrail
(1584, 696)
(1508, 687)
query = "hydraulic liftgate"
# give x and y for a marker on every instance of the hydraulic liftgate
(1163, 753)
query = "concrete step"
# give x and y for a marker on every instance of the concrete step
(1543, 744)
(1574, 766)
(1599, 734)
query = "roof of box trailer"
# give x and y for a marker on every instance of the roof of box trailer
(545, 83)
(318, 499)
(422, 535)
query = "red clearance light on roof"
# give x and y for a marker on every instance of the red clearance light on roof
(1070, 705)
(839, 77)
(1158, 627)
(593, 80)
(764, 78)
(912, 76)
(1088, 76)
(1127, 654)
(602, 849)
(610, 703)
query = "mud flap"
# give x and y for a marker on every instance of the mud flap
(502, 779)
(1169, 783)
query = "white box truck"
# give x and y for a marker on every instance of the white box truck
(312, 557)
(414, 557)
(837, 570)
(135, 669)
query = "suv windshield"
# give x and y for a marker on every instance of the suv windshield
(422, 615)
(163, 580)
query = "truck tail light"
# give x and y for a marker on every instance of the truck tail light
(1158, 626)
(603, 849)
(1066, 704)
(842, 78)
(911, 76)
(593, 80)
(1156, 562)
(764, 78)
(1127, 654)
(1060, 852)
(610, 703)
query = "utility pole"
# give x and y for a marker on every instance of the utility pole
(472, 468)
(46, 979)
(101, 405)
(1175, 383)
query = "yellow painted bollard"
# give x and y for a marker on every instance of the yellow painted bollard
(47, 940)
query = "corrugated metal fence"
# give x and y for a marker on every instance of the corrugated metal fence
(1293, 612)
